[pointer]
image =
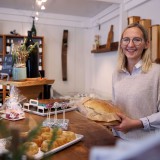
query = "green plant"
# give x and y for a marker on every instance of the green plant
(21, 52)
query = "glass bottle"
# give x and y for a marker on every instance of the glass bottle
(33, 29)
(8, 46)
(40, 47)
(33, 58)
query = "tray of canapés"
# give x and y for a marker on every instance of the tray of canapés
(45, 106)
(44, 143)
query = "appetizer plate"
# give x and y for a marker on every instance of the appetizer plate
(3, 142)
(41, 154)
(4, 116)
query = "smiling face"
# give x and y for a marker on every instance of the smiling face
(133, 44)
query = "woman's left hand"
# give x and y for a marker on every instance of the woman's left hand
(127, 124)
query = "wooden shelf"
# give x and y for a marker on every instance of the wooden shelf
(26, 83)
(103, 49)
(30, 88)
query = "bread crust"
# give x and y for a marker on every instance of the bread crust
(101, 110)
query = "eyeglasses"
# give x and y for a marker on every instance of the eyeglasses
(136, 40)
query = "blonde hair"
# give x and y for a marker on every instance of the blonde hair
(146, 54)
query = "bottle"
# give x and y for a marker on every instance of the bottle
(8, 46)
(33, 29)
(40, 47)
(21, 42)
(110, 38)
(33, 58)
(11, 46)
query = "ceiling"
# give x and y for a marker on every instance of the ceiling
(83, 8)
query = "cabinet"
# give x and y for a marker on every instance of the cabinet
(5, 48)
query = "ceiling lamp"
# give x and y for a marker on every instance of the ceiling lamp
(36, 18)
(44, 1)
(43, 7)
(37, 13)
(39, 4)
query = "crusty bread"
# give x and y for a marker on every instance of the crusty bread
(101, 106)
(101, 110)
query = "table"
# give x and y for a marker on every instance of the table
(94, 134)
(30, 88)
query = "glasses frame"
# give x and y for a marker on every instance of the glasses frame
(136, 43)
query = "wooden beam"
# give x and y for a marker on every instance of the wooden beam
(64, 55)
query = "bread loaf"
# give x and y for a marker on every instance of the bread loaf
(101, 110)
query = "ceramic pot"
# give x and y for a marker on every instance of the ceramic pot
(19, 73)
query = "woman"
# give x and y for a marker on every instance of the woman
(136, 86)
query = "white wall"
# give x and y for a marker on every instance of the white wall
(86, 72)
(103, 65)
(148, 10)
(75, 56)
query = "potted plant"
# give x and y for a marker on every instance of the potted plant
(20, 54)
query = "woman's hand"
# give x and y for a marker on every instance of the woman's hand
(127, 124)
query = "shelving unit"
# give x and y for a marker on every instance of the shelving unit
(1, 58)
(103, 49)
(1, 50)
(4, 39)
(19, 39)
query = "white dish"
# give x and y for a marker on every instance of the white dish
(2, 145)
(51, 113)
(4, 116)
(41, 154)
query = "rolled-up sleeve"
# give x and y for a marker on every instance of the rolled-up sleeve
(145, 122)
(151, 122)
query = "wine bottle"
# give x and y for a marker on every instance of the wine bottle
(110, 38)
(33, 29)
(8, 46)
(11, 46)
(21, 42)
(32, 63)
(40, 47)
